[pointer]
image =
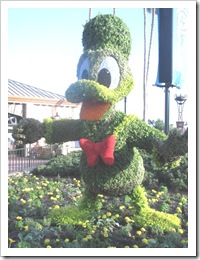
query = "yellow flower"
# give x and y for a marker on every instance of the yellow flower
(19, 218)
(145, 241)
(122, 207)
(52, 198)
(25, 227)
(46, 241)
(180, 231)
(104, 216)
(126, 246)
(56, 207)
(57, 240)
(66, 240)
(178, 210)
(11, 240)
(89, 237)
(22, 201)
(127, 219)
(48, 246)
(105, 234)
(138, 232)
(153, 191)
(108, 214)
(135, 246)
(85, 239)
(143, 229)
(100, 195)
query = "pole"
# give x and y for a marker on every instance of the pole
(167, 98)
(90, 13)
(125, 99)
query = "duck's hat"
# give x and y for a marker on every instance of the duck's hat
(107, 32)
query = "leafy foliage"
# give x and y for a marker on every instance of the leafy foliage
(107, 32)
(64, 166)
(148, 217)
(175, 178)
(108, 180)
(28, 131)
(70, 215)
(59, 213)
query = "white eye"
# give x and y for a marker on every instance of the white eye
(109, 73)
(84, 69)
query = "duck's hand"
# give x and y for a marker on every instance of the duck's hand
(172, 148)
(29, 130)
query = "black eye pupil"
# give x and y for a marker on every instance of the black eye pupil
(104, 77)
(84, 74)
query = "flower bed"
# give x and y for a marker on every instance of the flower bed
(33, 199)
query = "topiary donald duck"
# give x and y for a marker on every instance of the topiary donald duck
(111, 163)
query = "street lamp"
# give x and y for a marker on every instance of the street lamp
(180, 100)
(56, 117)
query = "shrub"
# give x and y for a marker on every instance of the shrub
(28, 131)
(64, 166)
(174, 178)
(68, 215)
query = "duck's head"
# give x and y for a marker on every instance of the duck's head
(104, 76)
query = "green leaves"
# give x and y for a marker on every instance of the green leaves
(107, 31)
(28, 131)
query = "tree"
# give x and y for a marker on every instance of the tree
(159, 124)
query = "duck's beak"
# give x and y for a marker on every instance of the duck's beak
(93, 110)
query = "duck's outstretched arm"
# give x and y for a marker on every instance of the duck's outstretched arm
(63, 130)
(165, 148)
(30, 130)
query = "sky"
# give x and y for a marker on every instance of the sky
(44, 46)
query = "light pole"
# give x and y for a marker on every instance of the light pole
(180, 100)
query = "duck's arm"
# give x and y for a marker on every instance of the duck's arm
(30, 130)
(63, 130)
(165, 148)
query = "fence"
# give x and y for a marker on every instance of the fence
(25, 159)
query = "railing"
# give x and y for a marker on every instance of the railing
(24, 159)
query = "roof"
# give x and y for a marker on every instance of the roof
(23, 93)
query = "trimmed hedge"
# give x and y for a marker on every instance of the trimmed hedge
(64, 166)
(107, 32)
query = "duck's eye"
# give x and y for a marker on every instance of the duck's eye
(109, 73)
(104, 77)
(84, 74)
(84, 68)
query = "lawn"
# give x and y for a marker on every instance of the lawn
(40, 206)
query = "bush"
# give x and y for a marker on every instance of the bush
(174, 178)
(28, 131)
(64, 166)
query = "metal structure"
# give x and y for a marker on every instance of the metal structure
(180, 100)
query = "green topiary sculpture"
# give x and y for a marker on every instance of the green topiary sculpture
(110, 162)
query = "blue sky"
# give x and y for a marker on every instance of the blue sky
(44, 46)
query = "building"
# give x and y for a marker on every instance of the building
(25, 101)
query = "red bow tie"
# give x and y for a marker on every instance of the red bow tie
(104, 149)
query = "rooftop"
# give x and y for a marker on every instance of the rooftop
(23, 93)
